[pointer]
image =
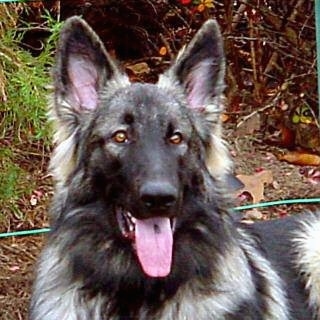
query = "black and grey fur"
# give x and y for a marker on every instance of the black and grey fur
(131, 153)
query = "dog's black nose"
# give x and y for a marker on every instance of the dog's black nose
(159, 195)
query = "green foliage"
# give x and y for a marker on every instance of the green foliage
(24, 90)
(27, 80)
(12, 177)
(15, 184)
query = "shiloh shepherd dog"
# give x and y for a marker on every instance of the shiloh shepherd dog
(141, 221)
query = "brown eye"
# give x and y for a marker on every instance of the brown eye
(176, 138)
(120, 137)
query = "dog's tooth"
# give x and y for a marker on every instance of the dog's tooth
(173, 223)
(131, 218)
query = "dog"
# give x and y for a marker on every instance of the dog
(141, 219)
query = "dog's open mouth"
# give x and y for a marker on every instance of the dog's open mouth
(152, 239)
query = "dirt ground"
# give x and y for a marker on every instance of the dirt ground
(18, 254)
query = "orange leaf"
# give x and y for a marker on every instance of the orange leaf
(201, 7)
(163, 51)
(224, 117)
(302, 159)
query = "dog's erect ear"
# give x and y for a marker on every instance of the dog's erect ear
(199, 70)
(82, 68)
(200, 67)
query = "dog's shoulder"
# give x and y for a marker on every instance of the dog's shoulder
(292, 246)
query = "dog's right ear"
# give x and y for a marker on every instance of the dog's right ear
(83, 67)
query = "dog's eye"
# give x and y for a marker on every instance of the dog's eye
(120, 137)
(176, 138)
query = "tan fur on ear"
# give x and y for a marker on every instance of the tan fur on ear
(218, 161)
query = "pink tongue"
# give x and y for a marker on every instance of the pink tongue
(154, 245)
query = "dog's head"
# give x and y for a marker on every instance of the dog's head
(139, 147)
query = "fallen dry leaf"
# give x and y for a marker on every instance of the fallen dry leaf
(224, 117)
(254, 184)
(253, 214)
(33, 200)
(299, 158)
(138, 68)
(249, 125)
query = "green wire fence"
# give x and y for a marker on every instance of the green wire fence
(246, 207)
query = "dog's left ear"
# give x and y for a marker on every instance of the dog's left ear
(200, 68)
